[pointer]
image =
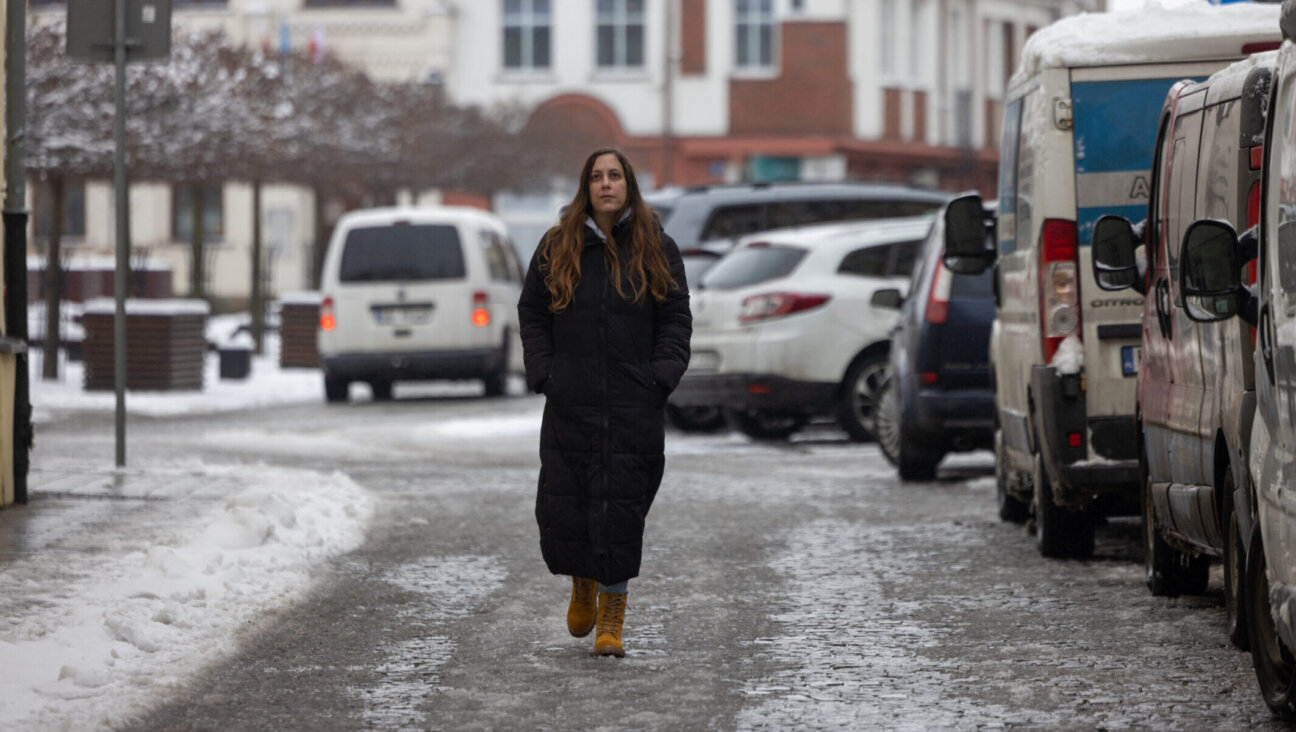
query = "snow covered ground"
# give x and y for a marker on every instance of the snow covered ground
(105, 615)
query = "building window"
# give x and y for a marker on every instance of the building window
(316, 3)
(620, 34)
(887, 46)
(213, 212)
(754, 41)
(526, 34)
(73, 211)
(918, 51)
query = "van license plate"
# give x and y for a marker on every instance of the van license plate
(402, 315)
(1131, 357)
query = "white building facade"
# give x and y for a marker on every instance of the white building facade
(696, 91)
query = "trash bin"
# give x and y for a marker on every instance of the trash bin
(235, 362)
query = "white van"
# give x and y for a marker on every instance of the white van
(1079, 131)
(419, 294)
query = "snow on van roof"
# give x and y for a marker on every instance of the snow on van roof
(416, 213)
(1157, 32)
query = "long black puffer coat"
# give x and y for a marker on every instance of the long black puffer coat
(605, 366)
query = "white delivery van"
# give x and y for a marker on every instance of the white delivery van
(419, 294)
(1079, 132)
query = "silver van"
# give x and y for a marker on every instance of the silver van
(1196, 385)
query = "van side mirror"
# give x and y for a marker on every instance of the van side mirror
(889, 298)
(1114, 264)
(968, 249)
(1210, 272)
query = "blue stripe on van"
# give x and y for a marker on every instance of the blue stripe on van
(1115, 126)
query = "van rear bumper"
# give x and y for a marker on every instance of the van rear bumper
(1064, 431)
(414, 366)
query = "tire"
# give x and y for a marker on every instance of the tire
(1011, 508)
(859, 395)
(335, 389)
(382, 390)
(760, 425)
(1274, 666)
(886, 422)
(496, 383)
(1060, 533)
(912, 462)
(1169, 572)
(1235, 559)
(696, 419)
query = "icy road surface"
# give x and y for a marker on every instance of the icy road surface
(785, 586)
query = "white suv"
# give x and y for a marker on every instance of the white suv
(419, 294)
(787, 327)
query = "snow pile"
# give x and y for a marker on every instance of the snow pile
(1069, 358)
(1159, 31)
(269, 387)
(131, 620)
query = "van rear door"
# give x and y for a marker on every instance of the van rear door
(1114, 112)
(400, 284)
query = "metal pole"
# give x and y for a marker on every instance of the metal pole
(15, 231)
(123, 232)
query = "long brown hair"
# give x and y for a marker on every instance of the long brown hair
(646, 267)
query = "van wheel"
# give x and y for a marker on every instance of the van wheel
(696, 419)
(382, 390)
(1060, 533)
(1274, 666)
(1169, 572)
(1011, 508)
(335, 389)
(762, 425)
(1235, 559)
(497, 383)
(860, 391)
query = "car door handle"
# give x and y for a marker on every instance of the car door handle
(1162, 301)
(1265, 329)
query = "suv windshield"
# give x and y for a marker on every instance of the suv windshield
(752, 265)
(402, 252)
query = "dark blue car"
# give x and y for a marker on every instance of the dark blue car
(939, 395)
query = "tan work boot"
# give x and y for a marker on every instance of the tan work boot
(611, 616)
(580, 613)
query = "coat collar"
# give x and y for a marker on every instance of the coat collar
(592, 226)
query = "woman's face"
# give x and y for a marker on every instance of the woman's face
(607, 185)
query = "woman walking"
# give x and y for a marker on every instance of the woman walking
(605, 324)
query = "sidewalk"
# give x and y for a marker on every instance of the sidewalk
(116, 586)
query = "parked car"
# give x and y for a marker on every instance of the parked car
(715, 217)
(1079, 117)
(1211, 273)
(1195, 400)
(419, 294)
(938, 396)
(787, 327)
(698, 418)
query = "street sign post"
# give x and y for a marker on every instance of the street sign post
(90, 35)
(141, 31)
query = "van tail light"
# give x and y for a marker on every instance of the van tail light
(1059, 284)
(481, 309)
(772, 305)
(328, 321)
(938, 298)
